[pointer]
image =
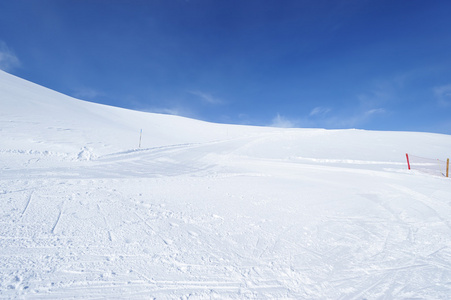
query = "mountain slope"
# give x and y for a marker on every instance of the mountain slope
(208, 210)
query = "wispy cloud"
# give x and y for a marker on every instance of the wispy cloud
(323, 117)
(280, 121)
(443, 94)
(378, 95)
(319, 111)
(207, 98)
(8, 59)
(357, 118)
(87, 93)
(346, 118)
(374, 111)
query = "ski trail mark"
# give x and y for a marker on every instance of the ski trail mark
(28, 204)
(111, 237)
(59, 217)
(57, 221)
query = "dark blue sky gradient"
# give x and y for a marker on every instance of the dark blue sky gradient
(371, 64)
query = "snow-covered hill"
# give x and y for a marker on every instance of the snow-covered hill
(205, 210)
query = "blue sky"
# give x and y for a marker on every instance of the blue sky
(368, 64)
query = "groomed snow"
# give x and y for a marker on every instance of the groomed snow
(206, 210)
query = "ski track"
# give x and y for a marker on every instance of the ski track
(169, 243)
(28, 203)
(163, 222)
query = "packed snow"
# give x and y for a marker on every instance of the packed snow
(205, 210)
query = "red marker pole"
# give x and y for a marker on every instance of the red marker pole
(447, 167)
(408, 163)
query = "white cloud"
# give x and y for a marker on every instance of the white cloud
(443, 94)
(8, 60)
(375, 111)
(319, 111)
(87, 93)
(360, 117)
(348, 118)
(208, 98)
(280, 121)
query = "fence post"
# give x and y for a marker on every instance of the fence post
(447, 167)
(140, 136)
(408, 163)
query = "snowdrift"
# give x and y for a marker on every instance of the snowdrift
(207, 210)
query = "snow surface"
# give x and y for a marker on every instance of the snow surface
(206, 210)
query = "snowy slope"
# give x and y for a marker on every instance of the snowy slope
(206, 210)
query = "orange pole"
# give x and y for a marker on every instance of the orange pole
(447, 167)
